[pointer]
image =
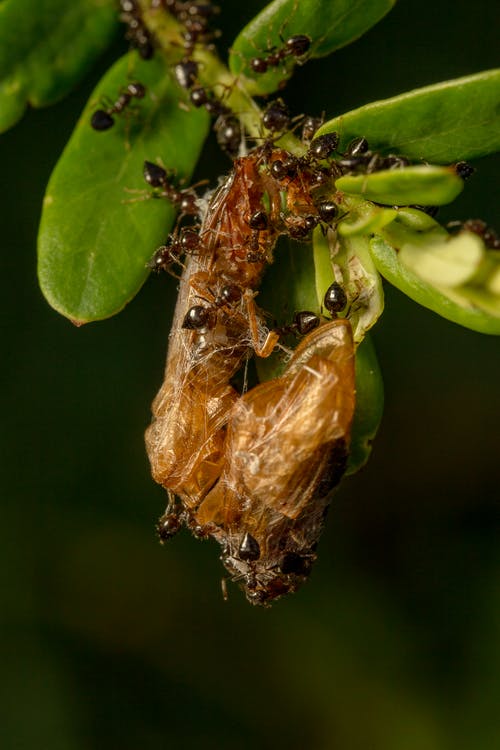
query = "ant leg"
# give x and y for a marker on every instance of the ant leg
(272, 337)
(170, 522)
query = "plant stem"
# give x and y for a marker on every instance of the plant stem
(213, 74)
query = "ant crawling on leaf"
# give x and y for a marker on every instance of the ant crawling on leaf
(184, 199)
(296, 46)
(358, 158)
(103, 119)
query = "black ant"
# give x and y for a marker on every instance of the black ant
(299, 227)
(323, 147)
(170, 522)
(320, 149)
(335, 299)
(358, 158)
(295, 46)
(303, 323)
(464, 170)
(310, 125)
(158, 177)
(327, 211)
(103, 119)
(227, 127)
(228, 132)
(186, 73)
(201, 316)
(188, 242)
(137, 33)
(479, 227)
(276, 117)
(258, 222)
(195, 17)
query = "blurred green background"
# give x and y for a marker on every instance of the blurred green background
(111, 641)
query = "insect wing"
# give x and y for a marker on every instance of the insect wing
(186, 438)
(286, 449)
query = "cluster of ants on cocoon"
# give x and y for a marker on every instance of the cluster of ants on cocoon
(213, 448)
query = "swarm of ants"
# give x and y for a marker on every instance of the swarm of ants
(253, 469)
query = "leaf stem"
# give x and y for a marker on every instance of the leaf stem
(213, 74)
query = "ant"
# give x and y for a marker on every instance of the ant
(103, 119)
(310, 125)
(228, 132)
(295, 46)
(335, 299)
(464, 170)
(276, 117)
(227, 127)
(137, 33)
(186, 73)
(299, 227)
(303, 323)
(200, 316)
(479, 227)
(175, 247)
(158, 177)
(171, 521)
(358, 157)
(319, 149)
(195, 17)
(258, 222)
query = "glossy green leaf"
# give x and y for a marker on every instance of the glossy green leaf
(475, 308)
(94, 242)
(369, 405)
(363, 217)
(450, 263)
(330, 24)
(424, 185)
(443, 123)
(46, 47)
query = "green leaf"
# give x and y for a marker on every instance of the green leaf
(450, 263)
(347, 261)
(46, 47)
(369, 406)
(363, 217)
(94, 243)
(444, 123)
(475, 308)
(424, 185)
(330, 24)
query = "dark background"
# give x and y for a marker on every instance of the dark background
(111, 641)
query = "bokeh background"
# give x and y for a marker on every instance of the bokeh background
(109, 640)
